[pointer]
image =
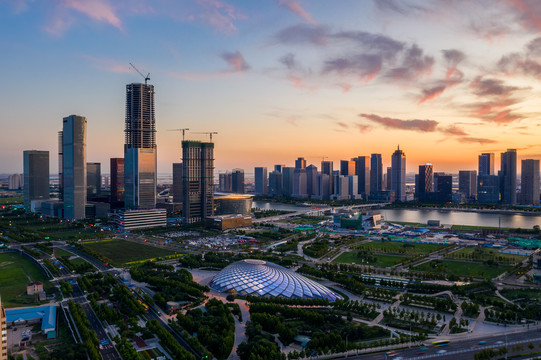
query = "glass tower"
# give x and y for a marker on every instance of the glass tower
(74, 166)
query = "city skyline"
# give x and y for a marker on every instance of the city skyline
(339, 82)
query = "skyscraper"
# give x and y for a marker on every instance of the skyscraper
(445, 187)
(327, 169)
(300, 163)
(261, 184)
(279, 168)
(36, 176)
(275, 183)
(376, 173)
(3, 331)
(140, 148)
(117, 182)
(486, 164)
(287, 181)
(467, 183)
(529, 182)
(388, 178)
(488, 189)
(424, 184)
(237, 181)
(15, 181)
(347, 167)
(299, 183)
(93, 179)
(225, 182)
(311, 180)
(398, 174)
(74, 166)
(197, 180)
(177, 182)
(508, 178)
(362, 170)
(60, 162)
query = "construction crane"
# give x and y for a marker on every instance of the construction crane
(183, 131)
(319, 157)
(140, 73)
(210, 133)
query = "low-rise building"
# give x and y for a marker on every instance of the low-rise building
(141, 219)
(228, 221)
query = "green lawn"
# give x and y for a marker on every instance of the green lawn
(11, 200)
(458, 268)
(61, 252)
(123, 251)
(484, 254)
(392, 247)
(381, 260)
(16, 271)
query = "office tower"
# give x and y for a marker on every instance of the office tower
(60, 175)
(117, 182)
(467, 183)
(436, 175)
(529, 184)
(327, 168)
(362, 170)
(424, 184)
(341, 188)
(347, 167)
(398, 174)
(287, 181)
(140, 148)
(323, 187)
(275, 183)
(376, 173)
(509, 177)
(300, 163)
(444, 184)
(488, 189)
(299, 183)
(197, 180)
(93, 179)
(74, 166)
(311, 180)
(279, 168)
(15, 181)
(4, 331)
(225, 183)
(353, 187)
(261, 185)
(237, 181)
(486, 164)
(388, 178)
(177, 182)
(36, 176)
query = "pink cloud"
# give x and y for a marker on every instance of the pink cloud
(236, 61)
(109, 65)
(220, 15)
(529, 13)
(414, 125)
(296, 8)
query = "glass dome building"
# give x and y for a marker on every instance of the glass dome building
(262, 278)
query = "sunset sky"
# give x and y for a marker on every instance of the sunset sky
(446, 80)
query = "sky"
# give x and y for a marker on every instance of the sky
(277, 79)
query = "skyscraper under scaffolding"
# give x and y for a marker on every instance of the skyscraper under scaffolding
(140, 148)
(197, 180)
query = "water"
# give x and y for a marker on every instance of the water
(462, 218)
(277, 206)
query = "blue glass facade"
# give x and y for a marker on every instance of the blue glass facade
(261, 278)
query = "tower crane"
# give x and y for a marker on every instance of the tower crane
(183, 131)
(210, 133)
(140, 73)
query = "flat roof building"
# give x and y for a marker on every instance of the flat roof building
(36, 176)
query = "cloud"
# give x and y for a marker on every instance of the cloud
(413, 125)
(303, 34)
(432, 93)
(490, 31)
(107, 64)
(398, 6)
(365, 66)
(220, 15)
(289, 61)
(363, 128)
(236, 61)
(342, 125)
(528, 13)
(97, 10)
(414, 64)
(294, 7)
(383, 45)
(489, 87)
(469, 140)
(452, 130)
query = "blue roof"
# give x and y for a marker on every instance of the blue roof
(46, 313)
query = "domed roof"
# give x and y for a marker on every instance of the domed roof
(262, 278)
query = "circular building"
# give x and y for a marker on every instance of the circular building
(262, 278)
(233, 204)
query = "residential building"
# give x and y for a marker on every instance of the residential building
(529, 182)
(261, 181)
(15, 181)
(36, 176)
(398, 174)
(197, 180)
(74, 166)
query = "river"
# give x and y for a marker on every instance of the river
(444, 216)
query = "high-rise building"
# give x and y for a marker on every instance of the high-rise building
(311, 180)
(279, 167)
(74, 166)
(117, 182)
(508, 175)
(347, 167)
(398, 174)
(529, 182)
(424, 183)
(376, 173)
(197, 180)
(261, 185)
(299, 183)
(237, 181)
(287, 181)
(486, 164)
(275, 183)
(323, 187)
(177, 183)
(140, 148)
(341, 189)
(353, 187)
(327, 169)
(4, 332)
(444, 185)
(362, 170)
(467, 183)
(36, 176)
(60, 162)
(15, 181)
(93, 179)
(488, 189)
(388, 178)
(300, 163)
(225, 182)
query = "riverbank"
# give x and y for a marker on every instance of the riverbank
(483, 211)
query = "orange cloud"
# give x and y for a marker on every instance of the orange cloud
(295, 7)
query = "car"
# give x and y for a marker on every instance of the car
(498, 343)
(441, 352)
(481, 342)
(391, 353)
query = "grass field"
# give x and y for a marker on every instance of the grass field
(16, 271)
(483, 254)
(388, 247)
(11, 200)
(381, 260)
(458, 268)
(122, 251)
(61, 252)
